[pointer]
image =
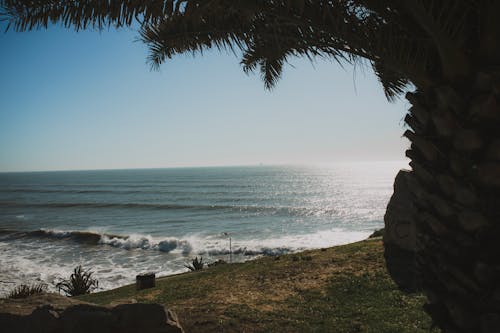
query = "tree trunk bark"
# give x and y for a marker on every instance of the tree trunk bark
(455, 188)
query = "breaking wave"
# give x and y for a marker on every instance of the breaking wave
(196, 245)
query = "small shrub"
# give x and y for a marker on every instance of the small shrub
(377, 233)
(196, 265)
(24, 290)
(217, 263)
(79, 283)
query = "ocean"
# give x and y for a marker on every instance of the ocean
(120, 223)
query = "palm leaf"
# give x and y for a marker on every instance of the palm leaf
(417, 41)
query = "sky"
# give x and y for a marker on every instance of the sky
(89, 100)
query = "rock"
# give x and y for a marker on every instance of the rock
(401, 265)
(60, 314)
(223, 262)
(139, 317)
(173, 325)
(25, 306)
(400, 234)
(435, 224)
(399, 218)
(145, 281)
(83, 318)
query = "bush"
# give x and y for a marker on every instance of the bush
(79, 283)
(217, 263)
(377, 233)
(24, 290)
(196, 265)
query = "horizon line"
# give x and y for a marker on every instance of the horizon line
(318, 164)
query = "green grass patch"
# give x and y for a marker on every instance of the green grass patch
(344, 289)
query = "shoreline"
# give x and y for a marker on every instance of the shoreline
(313, 290)
(376, 235)
(344, 287)
(245, 251)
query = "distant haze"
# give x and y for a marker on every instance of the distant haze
(88, 100)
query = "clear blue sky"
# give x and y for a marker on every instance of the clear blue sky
(89, 100)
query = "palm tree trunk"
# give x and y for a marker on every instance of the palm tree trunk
(454, 188)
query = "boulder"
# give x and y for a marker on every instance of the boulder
(400, 216)
(217, 263)
(53, 313)
(400, 234)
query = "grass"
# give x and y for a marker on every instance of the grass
(25, 290)
(343, 289)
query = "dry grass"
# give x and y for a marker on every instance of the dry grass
(339, 289)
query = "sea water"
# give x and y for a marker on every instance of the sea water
(120, 223)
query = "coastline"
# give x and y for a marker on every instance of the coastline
(125, 222)
(165, 255)
(343, 286)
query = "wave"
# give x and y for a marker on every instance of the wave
(147, 242)
(212, 245)
(272, 210)
(107, 205)
(146, 190)
(122, 205)
(34, 190)
(195, 185)
(83, 237)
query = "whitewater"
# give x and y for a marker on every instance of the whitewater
(120, 223)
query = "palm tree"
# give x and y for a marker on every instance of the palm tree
(446, 51)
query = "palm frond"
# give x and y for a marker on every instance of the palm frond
(23, 15)
(270, 32)
(394, 83)
(417, 41)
